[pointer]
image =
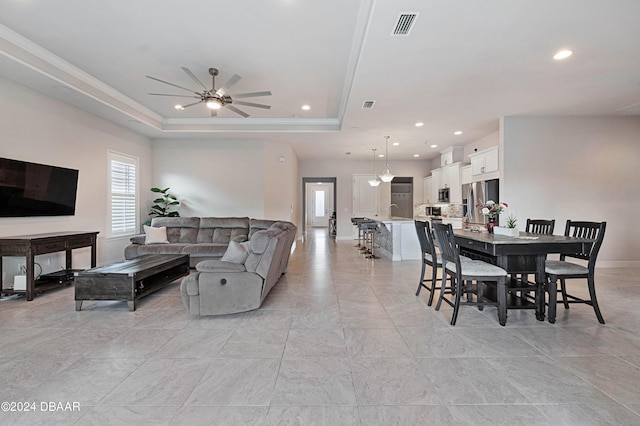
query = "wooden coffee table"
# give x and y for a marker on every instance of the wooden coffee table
(130, 279)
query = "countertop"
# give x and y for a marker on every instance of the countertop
(394, 219)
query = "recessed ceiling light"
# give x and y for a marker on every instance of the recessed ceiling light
(434, 146)
(396, 143)
(457, 132)
(416, 155)
(562, 54)
(419, 124)
(380, 155)
(179, 107)
(306, 107)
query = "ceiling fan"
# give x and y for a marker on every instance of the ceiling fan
(214, 98)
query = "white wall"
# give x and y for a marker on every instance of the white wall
(40, 129)
(488, 141)
(228, 177)
(280, 180)
(343, 171)
(579, 168)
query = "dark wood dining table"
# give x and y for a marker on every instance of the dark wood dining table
(525, 254)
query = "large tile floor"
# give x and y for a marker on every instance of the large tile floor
(341, 340)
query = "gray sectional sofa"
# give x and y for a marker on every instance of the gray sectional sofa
(202, 238)
(237, 260)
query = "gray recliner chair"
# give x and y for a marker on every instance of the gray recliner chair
(222, 287)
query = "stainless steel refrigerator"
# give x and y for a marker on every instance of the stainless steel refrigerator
(477, 193)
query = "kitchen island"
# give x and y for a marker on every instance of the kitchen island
(398, 239)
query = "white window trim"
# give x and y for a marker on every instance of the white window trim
(129, 159)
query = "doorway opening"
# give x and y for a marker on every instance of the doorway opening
(402, 197)
(318, 203)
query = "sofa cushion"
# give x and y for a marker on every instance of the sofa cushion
(179, 229)
(219, 266)
(259, 225)
(221, 235)
(199, 250)
(260, 239)
(160, 249)
(221, 230)
(155, 235)
(138, 239)
(236, 252)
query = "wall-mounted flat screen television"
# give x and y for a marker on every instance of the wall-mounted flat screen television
(31, 189)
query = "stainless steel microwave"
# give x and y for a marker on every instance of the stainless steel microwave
(443, 195)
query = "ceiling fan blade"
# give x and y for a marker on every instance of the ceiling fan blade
(237, 111)
(167, 94)
(251, 104)
(171, 84)
(252, 94)
(233, 80)
(192, 75)
(187, 106)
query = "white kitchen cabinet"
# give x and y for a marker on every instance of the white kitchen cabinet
(485, 164)
(435, 183)
(466, 175)
(451, 179)
(453, 154)
(427, 191)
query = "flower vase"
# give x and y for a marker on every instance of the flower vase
(491, 222)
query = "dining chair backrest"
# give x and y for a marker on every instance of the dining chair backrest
(424, 237)
(589, 230)
(540, 226)
(447, 244)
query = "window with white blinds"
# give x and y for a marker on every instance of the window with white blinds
(123, 194)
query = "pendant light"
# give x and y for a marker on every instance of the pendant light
(386, 176)
(374, 180)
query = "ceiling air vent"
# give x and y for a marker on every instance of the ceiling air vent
(368, 104)
(404, 24)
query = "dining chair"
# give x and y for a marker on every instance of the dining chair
(429, 257)
(534, 226)
(561, 270)
(540, 226)
(463, 275)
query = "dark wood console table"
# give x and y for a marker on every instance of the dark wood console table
(32, 245)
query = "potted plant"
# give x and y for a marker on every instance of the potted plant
(510, 230)
(165, 204)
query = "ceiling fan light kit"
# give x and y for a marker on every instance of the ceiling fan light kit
(214, 104)
(213, 98)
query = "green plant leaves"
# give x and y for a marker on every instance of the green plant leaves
(164, 203)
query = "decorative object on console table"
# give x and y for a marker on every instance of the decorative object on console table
(491, 210)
